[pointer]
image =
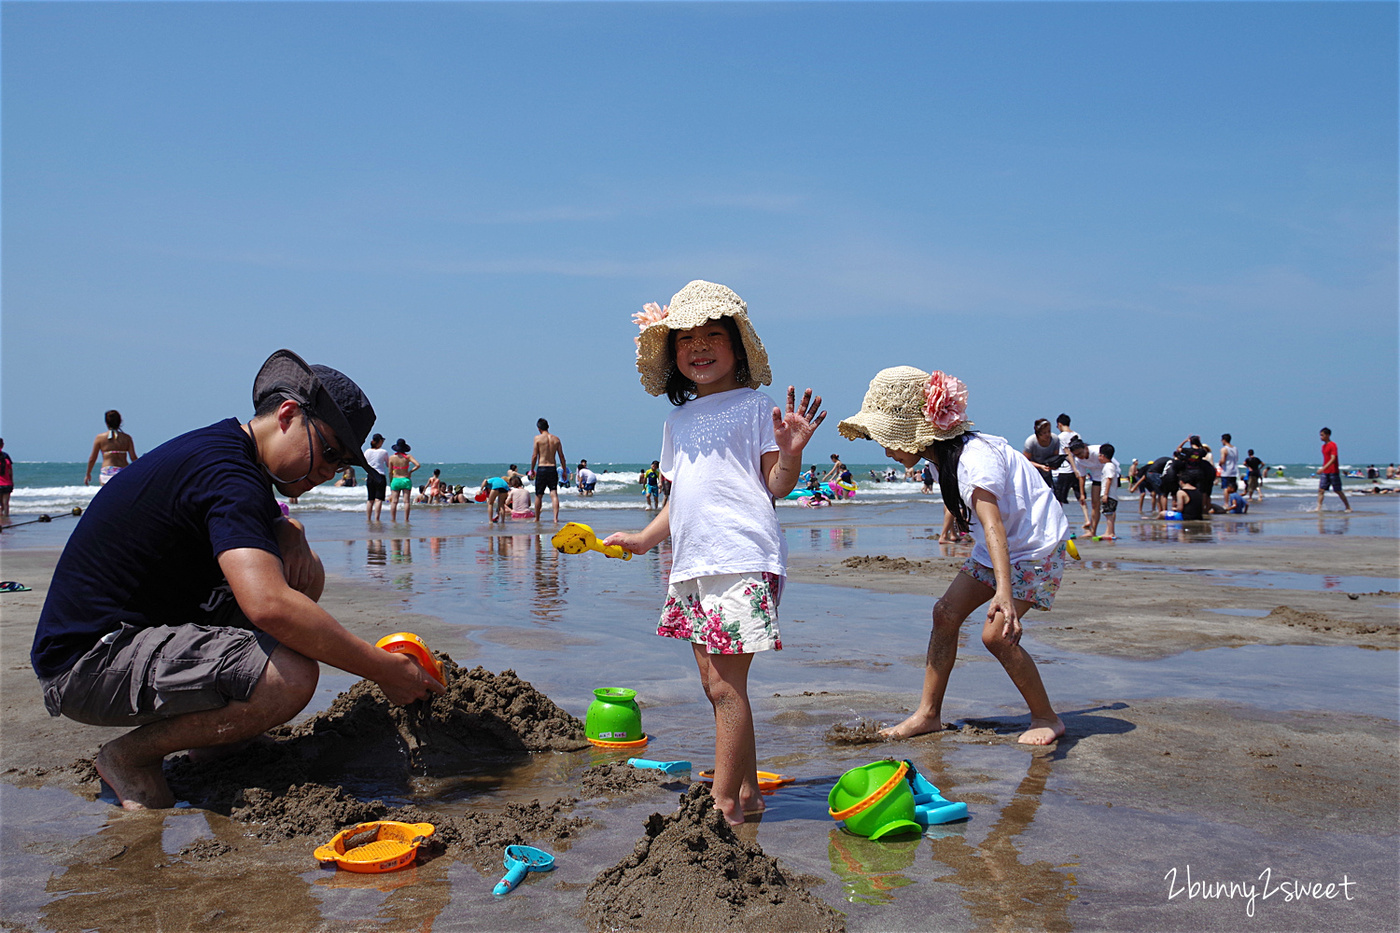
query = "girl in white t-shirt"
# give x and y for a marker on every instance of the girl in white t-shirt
(1019, 527)
(728, 453)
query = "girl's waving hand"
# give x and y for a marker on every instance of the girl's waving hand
(791, 432)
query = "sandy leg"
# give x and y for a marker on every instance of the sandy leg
(725, 679)
(138, 783)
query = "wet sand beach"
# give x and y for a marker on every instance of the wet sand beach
(1230, 696)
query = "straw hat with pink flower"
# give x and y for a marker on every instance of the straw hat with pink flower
(698, 302)
(908, 409)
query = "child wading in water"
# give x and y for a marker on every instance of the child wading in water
(728, 453)
(1020, 529)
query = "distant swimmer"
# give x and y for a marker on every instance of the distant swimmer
(114, 446)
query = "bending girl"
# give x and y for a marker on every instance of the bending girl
(1019, 527)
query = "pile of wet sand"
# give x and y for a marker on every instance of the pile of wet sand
(290, 784)
(618, 778)
(691, 872)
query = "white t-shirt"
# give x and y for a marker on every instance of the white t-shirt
(1110, 474)
(586, 476)
(1034, 521)
(379, 459)
(1065, 438)
(722, 515)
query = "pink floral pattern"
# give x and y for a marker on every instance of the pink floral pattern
(945, 401)
(727, 613)
(1035, 581)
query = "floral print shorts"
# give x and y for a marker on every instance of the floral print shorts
(728, 613)
(1034, 581)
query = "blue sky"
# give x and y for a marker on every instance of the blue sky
(1162, 218)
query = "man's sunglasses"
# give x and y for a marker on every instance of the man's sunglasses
(331, 455)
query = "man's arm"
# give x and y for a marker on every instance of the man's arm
(257, 581)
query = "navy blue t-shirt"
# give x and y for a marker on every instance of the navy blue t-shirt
(145, 550)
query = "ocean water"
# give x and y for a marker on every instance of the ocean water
(55, 488)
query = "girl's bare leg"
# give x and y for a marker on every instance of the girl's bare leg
(964, 594)
(725, 678)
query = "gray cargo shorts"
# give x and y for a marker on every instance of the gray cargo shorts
(138, 675)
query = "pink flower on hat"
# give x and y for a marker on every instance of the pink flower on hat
(945, 403)
(651, 313)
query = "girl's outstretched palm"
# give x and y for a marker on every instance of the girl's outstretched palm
(794, 428)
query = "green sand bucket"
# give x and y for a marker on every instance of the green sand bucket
(874, 800)
(613, 716)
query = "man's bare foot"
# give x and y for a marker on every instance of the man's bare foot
(1043, 732)
(137, 786)
(917, 724)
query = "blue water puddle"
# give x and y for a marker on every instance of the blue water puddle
(1247, 613)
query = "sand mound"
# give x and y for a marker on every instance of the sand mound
(890, 564)
(690, 872)
(481, 713)
(1319, 622)
(616, 778)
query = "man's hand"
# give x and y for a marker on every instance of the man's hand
(405, 680)
(300, 565)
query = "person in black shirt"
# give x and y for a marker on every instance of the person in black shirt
(184, 603)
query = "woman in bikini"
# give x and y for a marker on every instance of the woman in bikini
(114, 446)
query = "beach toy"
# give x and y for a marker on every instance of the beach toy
(930, 806)
(481, 496)
(667, 767)
(371, 848)
(875, 800)
(411, 645)
(519, 861)
(1072, 549)
(767, 780)
(614, 720)
(576, 537)
(1172, 516)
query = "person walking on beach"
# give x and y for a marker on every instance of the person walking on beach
(1254, 477)
(185, 604)
(7, 480)
(1020, 530)
(375, 483)
(650, 481)
(729, 452)
(402, 465)
(114, 446)
(1330, 475)
(546, 463)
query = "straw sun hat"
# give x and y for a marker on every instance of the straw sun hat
(698, 302)
(908, 409)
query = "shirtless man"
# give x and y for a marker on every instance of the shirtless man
(545, 462)
(115, 446)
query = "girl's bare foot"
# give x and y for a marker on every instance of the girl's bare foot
(917, 724)
(733, 813)
(138, 786)
(1043, 732)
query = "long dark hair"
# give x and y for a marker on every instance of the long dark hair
(946, 455)
(679, 389)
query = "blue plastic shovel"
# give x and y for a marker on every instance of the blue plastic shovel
(930, 806)
(668, 767)
(519, 860)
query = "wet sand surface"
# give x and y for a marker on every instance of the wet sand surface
(1219, 723)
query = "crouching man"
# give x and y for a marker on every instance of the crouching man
(184, 603)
